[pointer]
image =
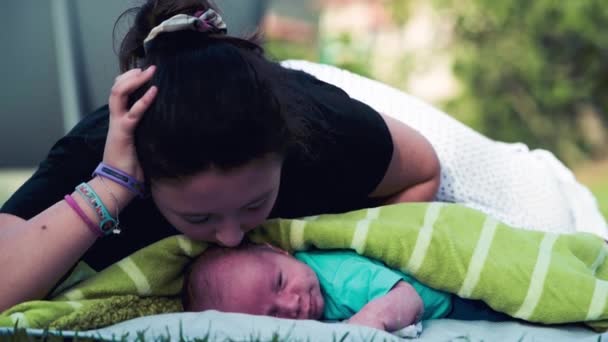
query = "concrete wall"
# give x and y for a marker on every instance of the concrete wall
(58, 63)
(30, 119)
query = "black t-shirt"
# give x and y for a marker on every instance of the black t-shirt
(336, 176)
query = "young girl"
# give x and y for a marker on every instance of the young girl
(221, 137)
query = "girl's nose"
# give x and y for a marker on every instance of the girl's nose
(229, 233)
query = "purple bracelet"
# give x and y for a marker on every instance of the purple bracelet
(118, 176)
(92, 226)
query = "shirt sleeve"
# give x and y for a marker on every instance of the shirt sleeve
(348, 281)
(70, 161)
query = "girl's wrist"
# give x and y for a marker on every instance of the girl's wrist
(115, 196)
(118, 176)
(99, 203)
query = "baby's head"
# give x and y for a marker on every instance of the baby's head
(253, 279)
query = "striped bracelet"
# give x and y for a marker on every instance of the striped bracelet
(107, 224)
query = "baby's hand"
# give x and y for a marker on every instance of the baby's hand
(397, 309)
(367, 318)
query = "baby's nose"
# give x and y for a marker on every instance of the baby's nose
(290, 305)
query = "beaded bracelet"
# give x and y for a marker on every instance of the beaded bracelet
(120, 177)
(107, 224)
(103, 182)
(92, 226)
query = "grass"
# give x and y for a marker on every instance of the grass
(601, 193)
(595, 176)
(10, 180)
(21, 335)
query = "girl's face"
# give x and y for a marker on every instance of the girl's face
(220, 206)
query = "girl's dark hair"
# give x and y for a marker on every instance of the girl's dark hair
(217, 103)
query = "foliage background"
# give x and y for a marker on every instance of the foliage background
(533, 71)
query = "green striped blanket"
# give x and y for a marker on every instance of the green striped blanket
(535, 276)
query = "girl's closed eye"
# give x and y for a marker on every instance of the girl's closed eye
(197, 219)
(256, 205)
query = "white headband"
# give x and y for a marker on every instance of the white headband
(209, 21)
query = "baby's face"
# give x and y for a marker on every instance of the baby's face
(265, 282)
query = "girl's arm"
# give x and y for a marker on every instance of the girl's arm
(36, 253)
(414, 171)
(397, 309)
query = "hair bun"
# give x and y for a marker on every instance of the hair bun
(148, 16)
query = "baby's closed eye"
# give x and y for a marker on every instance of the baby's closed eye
(279, 282)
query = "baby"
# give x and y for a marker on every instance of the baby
(329, 285)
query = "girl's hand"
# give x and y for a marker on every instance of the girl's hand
(119, 151)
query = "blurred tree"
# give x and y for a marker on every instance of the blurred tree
(280, 50)
(534, 71)
(400, 10)
(346, 52)
(290, 30)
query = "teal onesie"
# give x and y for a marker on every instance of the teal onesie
(349, 281)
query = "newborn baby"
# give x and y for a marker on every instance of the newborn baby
(328, 285)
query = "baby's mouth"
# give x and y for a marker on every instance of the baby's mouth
(311, 306)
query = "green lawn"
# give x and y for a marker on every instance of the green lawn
(10, 180)
(595, 176)
(601, 193)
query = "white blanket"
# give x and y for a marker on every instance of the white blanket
(218, 326)
(523, 188)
